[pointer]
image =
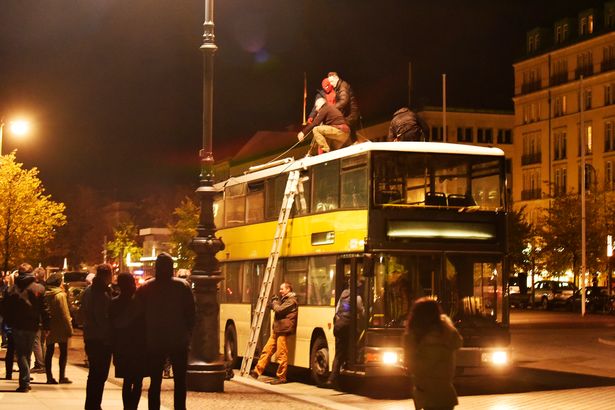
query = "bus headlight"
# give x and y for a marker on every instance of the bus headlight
(496, 357)
(390, 358)
(387, 357)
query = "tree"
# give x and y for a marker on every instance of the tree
(182, 232)
(520, 235)
(28, 217)
(561, 232)
(124, 242)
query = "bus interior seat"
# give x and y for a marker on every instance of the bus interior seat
(460, 200)
(435, 199)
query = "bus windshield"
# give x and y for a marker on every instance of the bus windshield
(468, 286)
(438, 180)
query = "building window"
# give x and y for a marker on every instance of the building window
(608, 94)
(609, 16)
(560, 182)
(560, 145)
(436, 134)
(609, 183)
(464, 134)
(587, 98)
(531, 150)
(560, 106)
(585, 64)
(484, 136)
(505, 136)
(583, 26)
(531, 185)
(590, 177)
(609, 138)
(588, 140)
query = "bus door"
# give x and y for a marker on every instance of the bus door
(258, 271)
(349, 274)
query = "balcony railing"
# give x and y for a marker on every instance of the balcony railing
(585, 71)
(559, 78)
(533, 158)
(530, 87)
(529, 194)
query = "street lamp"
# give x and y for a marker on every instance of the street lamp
(206, 370)
(17, 127)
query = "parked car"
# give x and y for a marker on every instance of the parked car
(551, 293)
(597, 299)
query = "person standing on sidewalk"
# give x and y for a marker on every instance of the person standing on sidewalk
(96, 334)
(127, 340)
(285, 310)
(431, 344)
(39, 341)
(9, 358)
(169, 309)
(26, 310)
(61, 328)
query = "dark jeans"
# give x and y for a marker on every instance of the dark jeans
(131, 392)
(10, 353)
(24, 341)
(99, 357)
(341, 353)
(179, 361)
(63, 357)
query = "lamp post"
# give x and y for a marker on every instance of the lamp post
(206, 370)
(17, 127)
(583, 221)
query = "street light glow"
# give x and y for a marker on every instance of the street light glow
(19, 127)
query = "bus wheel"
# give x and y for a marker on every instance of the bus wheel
(230, 345)
(319, 361)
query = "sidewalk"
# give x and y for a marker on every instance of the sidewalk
(58, 396)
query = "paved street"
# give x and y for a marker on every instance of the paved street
(562, 362)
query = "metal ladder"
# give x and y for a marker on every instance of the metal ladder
(272, 263)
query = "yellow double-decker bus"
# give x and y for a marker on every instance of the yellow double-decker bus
(394, 221)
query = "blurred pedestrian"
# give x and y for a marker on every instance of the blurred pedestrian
(96, 334)
(169, 309)
(285, 310)
(61, 328)
(26, 310)
(431, 345)
(127, 340)
(407, 126)
(9, 358)
(39, 341)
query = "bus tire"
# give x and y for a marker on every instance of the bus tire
(319, 360)
(230, 345)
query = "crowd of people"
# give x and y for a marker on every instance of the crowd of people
(139, 329)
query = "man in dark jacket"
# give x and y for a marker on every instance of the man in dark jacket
(407, 126)
(330, 129)
(285, 310)
(345, 101)
(168, 306)
(96, 334)
(26, 310)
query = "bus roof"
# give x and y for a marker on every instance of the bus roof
(426, 147)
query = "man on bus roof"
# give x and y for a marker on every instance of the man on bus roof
(330, 129)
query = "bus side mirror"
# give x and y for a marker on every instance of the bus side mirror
(368, 265)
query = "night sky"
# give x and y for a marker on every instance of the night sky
(114, 87)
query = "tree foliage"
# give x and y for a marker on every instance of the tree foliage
(520, 235)
(28, 217)
(560, 229)
(182, 231)
(124, 241)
